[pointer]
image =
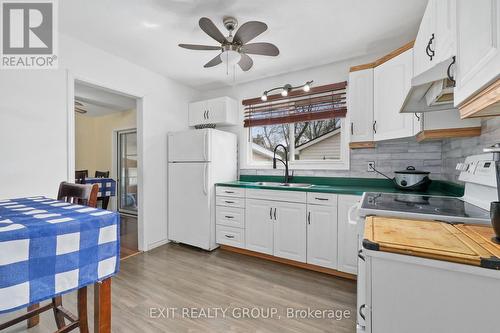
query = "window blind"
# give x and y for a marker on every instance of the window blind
(323, 102)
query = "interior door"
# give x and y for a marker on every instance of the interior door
(259, 225)
(189, 204)
(189, 146)
(127, 171)
(290, 231)
(322, 235)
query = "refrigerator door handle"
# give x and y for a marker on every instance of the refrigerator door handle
(205, 179)
(205, 148)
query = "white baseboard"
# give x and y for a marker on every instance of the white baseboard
(157, 244)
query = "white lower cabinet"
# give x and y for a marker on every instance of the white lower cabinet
(259, 228)
(308, 227)
(290, 231)
(347, 237)
(322, 235)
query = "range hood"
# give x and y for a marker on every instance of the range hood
(430, 91)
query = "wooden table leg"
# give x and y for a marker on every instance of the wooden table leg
(35, 320)
(102, 306)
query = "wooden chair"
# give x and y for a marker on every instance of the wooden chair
(80, 176)
(105, 200)
(101, 174)
(78, 194)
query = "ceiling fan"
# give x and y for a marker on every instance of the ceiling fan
(234, 49)
(79, 107)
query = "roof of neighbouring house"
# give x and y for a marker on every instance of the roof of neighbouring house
(318, 139)
(261, 150)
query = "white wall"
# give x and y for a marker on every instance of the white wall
(34, 126)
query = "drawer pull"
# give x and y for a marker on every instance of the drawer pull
(229, 236)
(229, 217)
(228, 192)
(321, 199)
(229, 202)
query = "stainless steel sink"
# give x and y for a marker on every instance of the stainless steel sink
(296, 185)
(268, 184)
(282, 184)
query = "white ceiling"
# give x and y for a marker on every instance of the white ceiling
(100, 102)
(308, 32)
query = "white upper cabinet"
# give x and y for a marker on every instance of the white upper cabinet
(391, 82)
(424, 41)
(220, 111)
(360, 105)
(435, 43)
(478, 42)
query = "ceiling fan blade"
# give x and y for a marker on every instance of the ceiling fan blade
(248, 31)
(78, 103)
(245, 62)
(214, 62)
(199, 47)
(210, 29)
(266, 49)
(81, 111)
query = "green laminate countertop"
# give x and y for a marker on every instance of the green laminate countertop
(344, 185)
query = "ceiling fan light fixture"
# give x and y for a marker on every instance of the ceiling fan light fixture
(230, 57)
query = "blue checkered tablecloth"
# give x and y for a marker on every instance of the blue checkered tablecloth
(50, 247)
(107, 186)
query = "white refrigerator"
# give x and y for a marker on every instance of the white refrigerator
(197, 159)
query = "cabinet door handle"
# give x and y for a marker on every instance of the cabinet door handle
(205, 114)
(375, 127)
(448, 71)
(430, 52)
(228, 191)
(417, 116)
(309, 218)
(271, 213)
(361, 311)
(208, 114)
(229, 217)
(229, 236)
(352, 128)
(360, 256)
(275, 209)
(229, 202)
(321, 199)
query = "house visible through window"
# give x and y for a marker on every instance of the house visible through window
(311, 140)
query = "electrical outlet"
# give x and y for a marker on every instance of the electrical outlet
(370, 166)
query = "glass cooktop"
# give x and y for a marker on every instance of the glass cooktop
(420, 206)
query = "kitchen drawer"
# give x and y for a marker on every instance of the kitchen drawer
(230, 201)
(276, 195)
(230, 191)
(325, 199)
(230, 216)
(230, 236)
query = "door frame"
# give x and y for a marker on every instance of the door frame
(115, 150)
(72, 79)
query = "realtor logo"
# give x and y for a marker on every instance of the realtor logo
(28, 36)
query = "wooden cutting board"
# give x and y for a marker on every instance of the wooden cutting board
(460, 243)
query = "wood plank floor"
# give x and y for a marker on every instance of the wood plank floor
(180, 276)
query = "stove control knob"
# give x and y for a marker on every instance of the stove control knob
(404, 183)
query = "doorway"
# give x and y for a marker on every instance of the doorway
(106, 151)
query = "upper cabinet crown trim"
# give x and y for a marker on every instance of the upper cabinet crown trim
(385, 58)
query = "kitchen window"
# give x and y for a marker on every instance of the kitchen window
(310, 127)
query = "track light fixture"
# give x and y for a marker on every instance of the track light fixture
(286, 89)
